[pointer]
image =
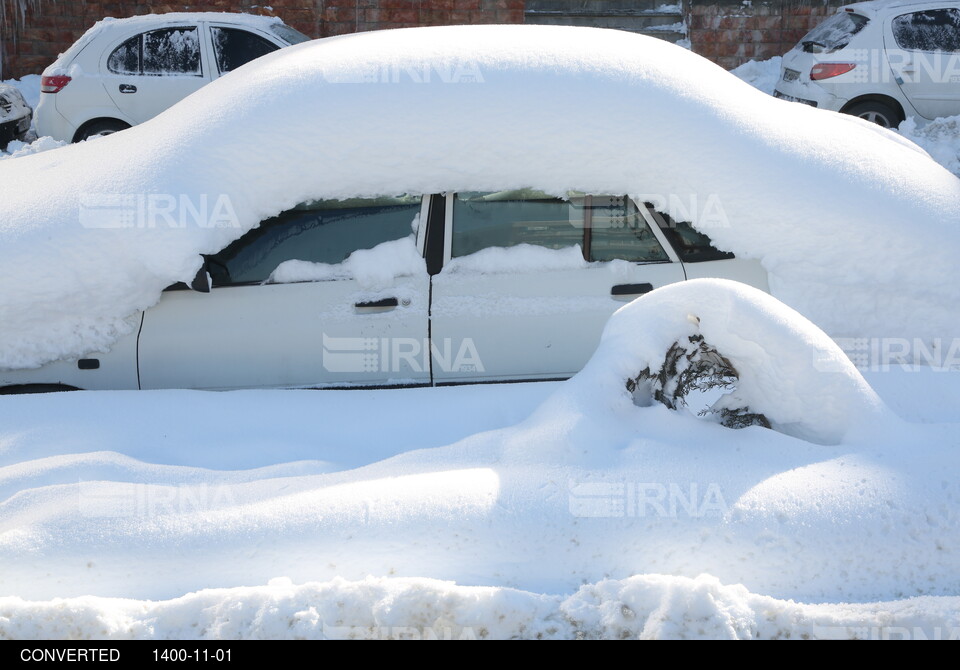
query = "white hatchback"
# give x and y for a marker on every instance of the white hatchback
(882, 61)
(124, 72)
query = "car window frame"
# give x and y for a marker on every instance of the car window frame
(209, 26)
(419, 241)
(672, 256)
(140, 33)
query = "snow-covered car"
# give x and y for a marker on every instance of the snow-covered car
(446, 205)
(15, 115)
(882, 61)
(122, 72)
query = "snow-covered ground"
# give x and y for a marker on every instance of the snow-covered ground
(575, 509)
(940, 138)
(528, 510)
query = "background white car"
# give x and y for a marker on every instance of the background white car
(123, 72)
(15, 115)
(881, 61)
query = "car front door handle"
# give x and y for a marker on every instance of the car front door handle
(384, 305)
(630, 290)
(128, 88)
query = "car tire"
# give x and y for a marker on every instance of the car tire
(880, 113)
(99, 128)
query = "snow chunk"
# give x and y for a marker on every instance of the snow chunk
(518, 258)
(789, 370)
(940, 138)
(761, 74)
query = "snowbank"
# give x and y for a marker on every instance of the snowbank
(482, 108)
(589, 487)
(761, 74)
(789, 370)
(640, 607)
(940, 138)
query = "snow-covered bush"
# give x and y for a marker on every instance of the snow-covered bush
(778, 368)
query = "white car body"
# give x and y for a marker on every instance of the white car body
(894, 59)
(99, 95)
(446, 325)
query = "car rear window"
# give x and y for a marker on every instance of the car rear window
(834, 33)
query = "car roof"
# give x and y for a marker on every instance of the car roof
(877, 7)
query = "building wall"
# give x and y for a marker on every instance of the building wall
(731, 32)
(728, 32)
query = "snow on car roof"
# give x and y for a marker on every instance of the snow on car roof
(857, 227)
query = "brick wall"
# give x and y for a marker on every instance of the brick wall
(730, 33)
(51, 26)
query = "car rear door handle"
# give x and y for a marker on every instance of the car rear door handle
(128, 88)
(384, 305)
(630, 290)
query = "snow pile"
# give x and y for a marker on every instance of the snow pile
(761, 74)
(29, 87)
(518, 258)
(940, 138)
(589, 487)
(788, 369)
(640, 607)
(476, 108)
(18, 149)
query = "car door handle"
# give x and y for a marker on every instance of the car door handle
(629, 290)
(128, 88)
(384, 305)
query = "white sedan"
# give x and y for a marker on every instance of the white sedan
(444, 205)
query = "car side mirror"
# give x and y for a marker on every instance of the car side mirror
(201, 283)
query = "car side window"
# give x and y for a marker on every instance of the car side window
(125, 59)
(234, 47)
(167, 51)
(321, 231)
(691, 245)
(931, 30)
(605, 227)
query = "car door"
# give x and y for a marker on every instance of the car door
(331, 293)
(232, 47)
(530, 280)
(149, 72)
(924, 52)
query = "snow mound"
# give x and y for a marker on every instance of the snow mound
(372, 268)
(639, 607)
(761, 74)
(857, 231)
(18, 149)
(940, 138)
(788, 370)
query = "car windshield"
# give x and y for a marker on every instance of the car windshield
(288, 34)
(834, 33)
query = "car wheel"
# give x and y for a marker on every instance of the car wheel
(100, 128)
(877, 112)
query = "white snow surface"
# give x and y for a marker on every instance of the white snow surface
(591, 517)
(822, 199)
(761, 74)
(940, 138)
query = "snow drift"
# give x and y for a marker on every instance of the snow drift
(856, 226)
(787, 369)
(589, 487)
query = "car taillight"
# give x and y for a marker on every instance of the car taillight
(53, 84)
(827, 70)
